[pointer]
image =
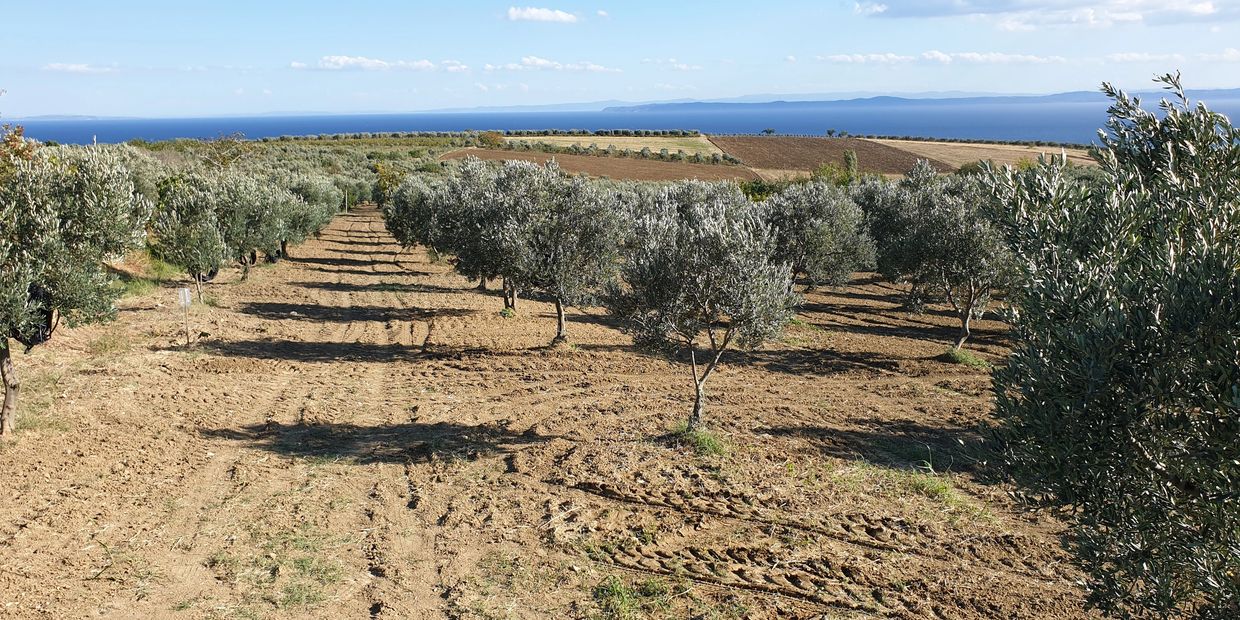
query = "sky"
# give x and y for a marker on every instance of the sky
(189, 58)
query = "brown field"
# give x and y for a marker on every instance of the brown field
(957, 155)
(688, 144)
(807, 154)
(618, 167)
(357, 433)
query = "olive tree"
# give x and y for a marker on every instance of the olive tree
(820, 231)
(1121, 400)
(936, 233)
(469, 214)
(412, 216)
(251, 213)
(699, 262)
(564, 240)
(60, 218)
(319, 202)
(186, 230)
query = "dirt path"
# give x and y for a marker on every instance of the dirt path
(359, 434)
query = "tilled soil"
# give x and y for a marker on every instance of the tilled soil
(621, 168)
(358, 433)
(809, 154)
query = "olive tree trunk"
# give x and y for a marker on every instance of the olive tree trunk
(510, 295)
(717, 348)
(561, 333)
(8, 412)
(965, 302)
(966, 317)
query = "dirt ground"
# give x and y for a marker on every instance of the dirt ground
(618, 167)
(358, 433)
(958, 154)
(688, 144)
(786, 153)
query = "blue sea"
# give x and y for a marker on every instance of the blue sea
(990, 119)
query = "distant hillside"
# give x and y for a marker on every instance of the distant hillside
(1084, 97)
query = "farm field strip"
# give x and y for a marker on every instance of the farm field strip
(617, 167)
(785, 153)
(688, 144)
(358, 433)
(958, 154)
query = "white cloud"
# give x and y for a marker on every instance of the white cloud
(536, 63)
(482, 87)
(68, 67)
(1230, 54)
(362, 63)
(672, 64)
(936, 56)
(603, 14)
(532, 14)
(1144, 57)
(1033, 14)
(790, 58)
(869, 8)
(454, 66)
(990, 58)
(866, 58)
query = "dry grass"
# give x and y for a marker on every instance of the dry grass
(688, 144)
(956, 154)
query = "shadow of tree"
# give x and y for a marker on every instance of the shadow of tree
(904, 444)
(300, 351)
(336, 262)
(814, 361)
(902, 327)
(394, 271)
(342, 314)
(393, 287)
(396, 443)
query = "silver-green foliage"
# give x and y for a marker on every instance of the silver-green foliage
(1121, 400)
(820, 231)
(186, 228)
(699, 266)
(251, 212)
(62, 214)
(563, 236)
(65, 213)
(321, 200)
(936, 233)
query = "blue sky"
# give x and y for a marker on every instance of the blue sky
(185, 58)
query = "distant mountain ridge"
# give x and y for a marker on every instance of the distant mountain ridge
(1084, 96)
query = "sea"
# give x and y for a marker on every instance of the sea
(997, 119)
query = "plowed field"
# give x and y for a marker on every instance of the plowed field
(357, 433)
(808, 154)
(618, 167)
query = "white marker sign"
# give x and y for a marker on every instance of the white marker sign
(185, 299)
